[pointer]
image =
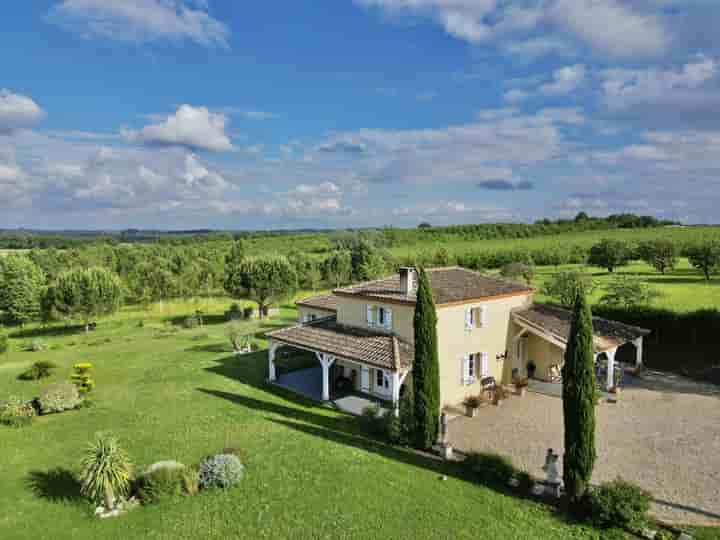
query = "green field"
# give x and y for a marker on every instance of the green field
(681, 290)
(172, 393)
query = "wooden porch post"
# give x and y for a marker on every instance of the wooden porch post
(272, 348)
(326, 360)
(396, 383)
(610, 368)
(639, 352)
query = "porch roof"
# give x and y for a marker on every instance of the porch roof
(555, 322)
(366, 346)
(327, 302)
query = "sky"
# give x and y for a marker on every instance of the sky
(181, 114)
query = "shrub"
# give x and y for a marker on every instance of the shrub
(58, 398)
(35, 345)
(525, 482)
(39, 370)
(239, 340)
(248, 312)
(4, 343)
(472, 402)
(491, 468)
(518, 271)
(617, 504)
(627, 292)
(371, 420)
(82, 378)
(234, 313)
(220, 471)
(16, 412)
(106, 471)
(193, 321)
(164, 480)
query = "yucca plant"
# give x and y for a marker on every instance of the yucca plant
(106, 471)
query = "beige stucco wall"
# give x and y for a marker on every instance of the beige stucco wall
(544, 354)
(353, 312)
(454, 342)
(319, 313)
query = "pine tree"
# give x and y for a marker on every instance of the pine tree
(578, 378)
(426, 370)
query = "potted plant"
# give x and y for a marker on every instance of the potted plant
(499, 395)
(531, 369)
(472, 404)
(521, 387)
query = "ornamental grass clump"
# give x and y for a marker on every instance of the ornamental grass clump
(166, 480)
(58, 398)
(617, 504)
(16, 412)
(220, 471)
(106, 471)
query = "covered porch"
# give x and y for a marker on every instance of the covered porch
(355, 368)
(539, 339)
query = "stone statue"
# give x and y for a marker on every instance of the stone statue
(552, 480)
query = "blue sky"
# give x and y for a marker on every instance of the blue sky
(212, 113)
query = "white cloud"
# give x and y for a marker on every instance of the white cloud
(565, 80)
(607, 26)
(623, 88)
(611, 27)
(17, 111)
(142, 20)
(192, 127)
(516, 95)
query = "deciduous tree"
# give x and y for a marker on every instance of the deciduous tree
(705, 257)
(265, 279)
(21, 286)
(86, 293)
(609, 254)
(564, 287)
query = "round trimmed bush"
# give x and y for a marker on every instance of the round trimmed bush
(221, 471)
(491, 468)
(58, 398)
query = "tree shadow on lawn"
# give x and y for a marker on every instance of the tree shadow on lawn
(345, 430)
(211, 348)
(208, 319)
(48, 331)
(56, 485)
(668, 279)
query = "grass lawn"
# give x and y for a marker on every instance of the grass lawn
(172, 393)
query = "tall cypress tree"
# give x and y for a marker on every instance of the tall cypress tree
(426, 368)
(578, 379)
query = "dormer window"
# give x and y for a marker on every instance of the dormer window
(379, 317)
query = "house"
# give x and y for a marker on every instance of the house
(362, 335)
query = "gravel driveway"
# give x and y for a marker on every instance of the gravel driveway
(663, 434)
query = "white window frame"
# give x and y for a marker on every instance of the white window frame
(476, 317)
(379, 317)
(383, 385)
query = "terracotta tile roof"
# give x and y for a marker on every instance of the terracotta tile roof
(328, 336)
(556, 321)
(328, 302)
(449, 285)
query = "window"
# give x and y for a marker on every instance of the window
(378, 316)
(475, 317)
(474, 365)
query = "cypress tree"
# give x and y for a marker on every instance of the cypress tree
(578, 380)
(426, 369)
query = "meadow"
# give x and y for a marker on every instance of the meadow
(173, 393)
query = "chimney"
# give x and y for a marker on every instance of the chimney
(407, 281)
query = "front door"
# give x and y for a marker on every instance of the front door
(364, 379)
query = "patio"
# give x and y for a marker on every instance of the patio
(308, 383)
(662, 435)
